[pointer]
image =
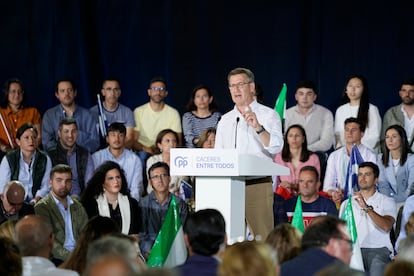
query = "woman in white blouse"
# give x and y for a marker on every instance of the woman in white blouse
(355, 103)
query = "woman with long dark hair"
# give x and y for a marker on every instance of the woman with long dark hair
(295, 155)
(396, 166)
(355, 103)
(107, 194)
(201, 114)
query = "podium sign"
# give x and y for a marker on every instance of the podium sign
(204, 162)
(220, 180)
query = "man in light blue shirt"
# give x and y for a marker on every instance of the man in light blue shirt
(87, 132)
(114, 111)
(129, 161)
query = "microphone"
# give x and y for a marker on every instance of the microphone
(235, 136)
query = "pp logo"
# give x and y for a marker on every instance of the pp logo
(180, 162)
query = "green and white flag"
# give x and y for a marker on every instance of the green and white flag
(169, 248)
(297, 220)
(348, 216)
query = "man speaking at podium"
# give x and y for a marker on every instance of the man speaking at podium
(255, 129)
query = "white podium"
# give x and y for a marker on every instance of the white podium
(220, 176)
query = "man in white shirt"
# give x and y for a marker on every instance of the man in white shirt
(336, 169)
(35, 239)
(374, 215)
(251, 128)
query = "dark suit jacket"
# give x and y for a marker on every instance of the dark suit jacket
(199, 265)
(26, 209)
(48, 210)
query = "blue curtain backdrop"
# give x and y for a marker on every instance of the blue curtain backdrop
(193, 41)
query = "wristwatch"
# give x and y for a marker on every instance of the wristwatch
(261, 130)
(368, 209)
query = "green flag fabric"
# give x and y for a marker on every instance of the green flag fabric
(297, 220)
(169, 249)
(280, 105)
(348, 217)
(350, 220)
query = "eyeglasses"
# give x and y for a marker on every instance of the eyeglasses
(161, 89)
(159, 176)
(238, 85)
(116, 89)
(350, 242)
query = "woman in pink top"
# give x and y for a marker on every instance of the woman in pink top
(294, 155)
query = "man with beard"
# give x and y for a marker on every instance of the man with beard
(66, 215)
(402, 114)
(87, 132)
(68, 152)
(153, 117)
(115, 111)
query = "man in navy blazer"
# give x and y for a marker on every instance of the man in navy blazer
(205, 236)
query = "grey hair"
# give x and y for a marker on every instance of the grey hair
(406, 249)
(241, 70)
(112, 246)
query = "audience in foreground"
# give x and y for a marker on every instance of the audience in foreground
(205, 238)
(35, 240)
(326, 241)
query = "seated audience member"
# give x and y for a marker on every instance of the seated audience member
(128, 160)
(111, 255)
(66, 215)
(35, 240)
(294, 155)
(326, 241)
(399, 267)
(166, 140)
(107, 195)
(201, 114)
(114, 111)
(96, 228)
(401, 114)
(285, 239)
(406, 249)
(339, 269)
(396, 164)
(249, 258)
(407, 212)
(312, 203)
(68, 152)
(336, 169)
(374, 215)
(14, 113)
(11, 260)
(154, 116)
(27, 164)
(154, 206)
(205, 238)
(317, 121)
(355, 103)
(207, 138)
(66, 93)
(12, 202)
(7, 228)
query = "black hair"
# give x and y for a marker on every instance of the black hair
(357, 121)
(371, 165)
(206, 230)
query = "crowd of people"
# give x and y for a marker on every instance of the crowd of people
(93, 186)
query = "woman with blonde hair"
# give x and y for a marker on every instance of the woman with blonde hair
(286, 240)
(249, 258)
